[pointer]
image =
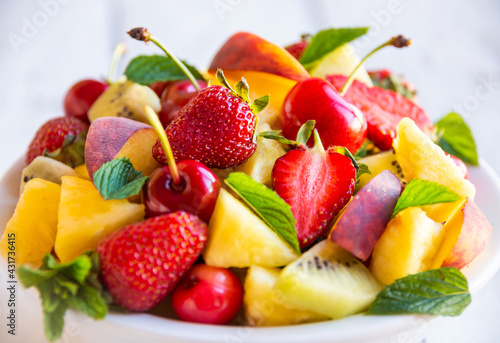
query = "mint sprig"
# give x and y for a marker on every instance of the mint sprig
(117, 179)
(268, 205)
(146, 70)
(326, 41)
(422, 192)
(62, 286)
(456, 138)
(441, 291)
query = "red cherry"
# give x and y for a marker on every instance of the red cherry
(175, 97)
(298, 48)
(159, 87)
(461, 165)
(337, 121)
(80, 98)
(196, 193)
(208, 295)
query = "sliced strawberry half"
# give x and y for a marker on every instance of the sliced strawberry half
(383, 110)
(317, 184)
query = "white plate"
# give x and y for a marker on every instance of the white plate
(356, 329)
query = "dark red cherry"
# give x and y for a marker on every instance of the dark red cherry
(175, 97)
(337, 121)
(208, 295)
(160, 86)
(196, 192)
(80, 98)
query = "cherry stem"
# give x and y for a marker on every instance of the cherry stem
(141, 33)
(120, 49)
(156, 124)
(397, 41)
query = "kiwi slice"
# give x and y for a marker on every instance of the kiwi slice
(45, 168)
(328, 280)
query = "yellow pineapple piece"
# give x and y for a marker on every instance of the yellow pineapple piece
(407, 246)
(238, 238)
(262, 84)
(85, 217)
(420, 157)
(341, 61)
(260, 165)
(34, 223)
(264, 305)
(83, 172)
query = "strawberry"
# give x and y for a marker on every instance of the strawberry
(142, 262)
(298, 48)
(316, 183)
(383, 78)
(383, 110)
(60, 138)
(216, 127)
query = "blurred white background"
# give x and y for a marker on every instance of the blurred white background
(47, 45)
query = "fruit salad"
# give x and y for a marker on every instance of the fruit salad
(281, 186)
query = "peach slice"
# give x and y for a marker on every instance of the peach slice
(113, 137)
(467, 234)
(246, 51)
(365, 218)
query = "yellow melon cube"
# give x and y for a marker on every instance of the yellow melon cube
(85, 217)
(407, 246)
(32, 228)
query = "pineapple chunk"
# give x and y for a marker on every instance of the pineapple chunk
(238, 238)
(421, 158)
(260, 165)
(83, 172)
(85, 217)
(265, 307)
(341, 61)
(34, 223)
(407, 246)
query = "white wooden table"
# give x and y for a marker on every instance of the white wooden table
(47, 45)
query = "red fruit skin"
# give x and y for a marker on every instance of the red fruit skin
(316, 185)
(141, 263)
(197, 193)
(365, 218)
(383, 110)
(51, 136)
(208, 295)
(297, 49)
(337, 122)
(214, 128)
(464, 171)
(160, 87)
(175, 98)
(80, 98)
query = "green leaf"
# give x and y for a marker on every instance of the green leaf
(394, 83)
(89, 301)
(117, 179)
(438, 292)
(421, 192)
(363, 169)
(32, 277)
(344, 151)
(273, 210)
(259, 104)
(305, 132)
(54, 322)
(77, 269)
(363, 151)
(146, 70)
(276, 135)
(456, 138)
(326, 41)
(242, 89)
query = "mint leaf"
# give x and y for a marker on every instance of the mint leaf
(72, 284)
(326, 41)
(456, 138)
(117, 179)
(272, 209)
(421, 192)
(146, 70)
(441, 291)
